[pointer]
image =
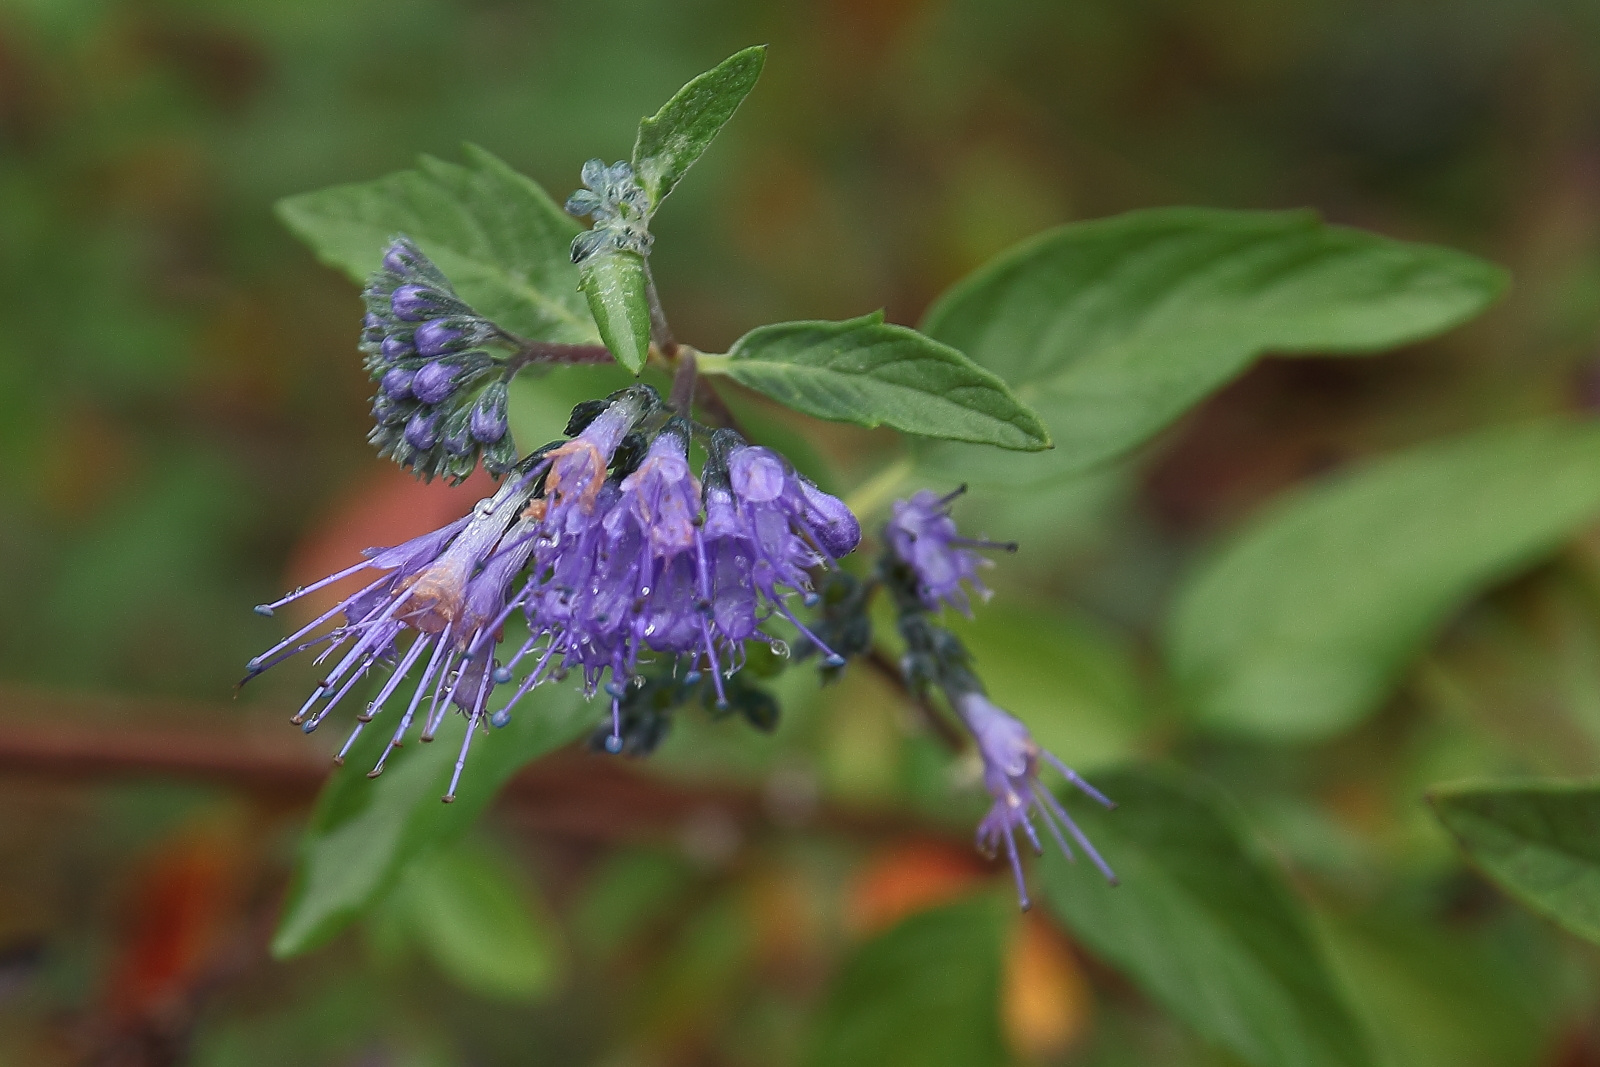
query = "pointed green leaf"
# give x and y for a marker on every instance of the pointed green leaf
(1540, 843)
(1203, 923)
(365, 831)
(501, 241)
(618, 293)
(924, 994)
(480, 924)
(1111, 329)
(670, 142)
(1305, 620)
(873, 373)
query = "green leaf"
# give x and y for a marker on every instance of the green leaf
(683, 129)
(1304, 621)
(1204, 924)
(617, 289)
(364, 831)
(1112, 329)
(479, 924)
(1540, 843)
(497, 236)
(924, 994)
(872, 373)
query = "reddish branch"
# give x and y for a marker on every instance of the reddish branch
(569, 793)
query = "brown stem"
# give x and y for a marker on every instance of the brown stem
(529, 352)
(954, 739)
(684, 377)
(660, 332)
(571, 793)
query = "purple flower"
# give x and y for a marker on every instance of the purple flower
(448, 592)
(924, 536)
(1011, 774)
(654, 562)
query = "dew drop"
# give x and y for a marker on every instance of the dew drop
(780, 649)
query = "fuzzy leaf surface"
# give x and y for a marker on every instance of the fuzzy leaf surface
(671, 140)
(1304, 621)
(873, 373)
(1112, 329)
(1203, 923)
(502, 242)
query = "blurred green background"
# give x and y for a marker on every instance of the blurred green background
(182, 418)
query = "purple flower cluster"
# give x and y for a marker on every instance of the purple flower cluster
(924, 536)
(441, 399)
(611, 568)
(926, 567)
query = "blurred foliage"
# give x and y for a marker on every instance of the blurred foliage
(182, 415)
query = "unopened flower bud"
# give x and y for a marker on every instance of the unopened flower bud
(397, 347)
(437, 337)
(434, 382)
(397, 383)
(414, 303)
(422, 432)
(399, 259)
(489, 415)
(459, 441)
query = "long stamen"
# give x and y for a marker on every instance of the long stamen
(832, 659)
(268, 609)
(1076, 779)
(375, 705)
(312, 625)
(1021, 810)
(1048, 819)
(1080, 837)
(461, 759)
(440, 702)
(416, 698)
(973, 542)
(1016, 868)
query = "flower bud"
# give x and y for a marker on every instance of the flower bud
(832, 523)
(437, 336)
(434, 382)
(385, 412)
(459, 441)
(489, 415)
(395, 348)
(397, 383)
(414, 303)
(422, 432)
(372, 328)
(399, 259)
